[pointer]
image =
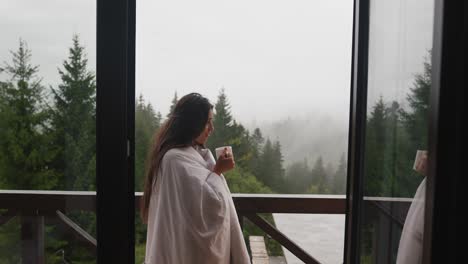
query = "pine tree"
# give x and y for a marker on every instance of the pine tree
(222, 122)
(74, 121)
(240, 141)
(173, 105)
(257, 139)
(256, 145)
(374, 150)
(265, 165)
(147, 122)
(318, 174)
(339, 178)
(416, 119)
(329, 173)
(415, 123)
(404, 180)
(25, 150)
(228, 132)
(270, 166)
(387, 160)
(3, 125)
(278, 170)
(298, 177)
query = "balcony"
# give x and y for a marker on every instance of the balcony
(37, 208)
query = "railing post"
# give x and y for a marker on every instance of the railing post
(32, 239)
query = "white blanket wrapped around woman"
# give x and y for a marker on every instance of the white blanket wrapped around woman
(191, 217)
(411, 241)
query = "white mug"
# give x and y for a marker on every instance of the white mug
(219, 151)
(419, 155)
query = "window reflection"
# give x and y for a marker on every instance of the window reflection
(399, 81)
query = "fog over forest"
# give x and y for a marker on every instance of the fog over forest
(308, 136)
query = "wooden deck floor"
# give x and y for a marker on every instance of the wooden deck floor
(260, 254)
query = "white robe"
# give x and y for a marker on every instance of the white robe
(191, 217)
(410, 248)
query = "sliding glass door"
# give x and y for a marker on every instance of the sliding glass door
(405, 133)
(396, 130)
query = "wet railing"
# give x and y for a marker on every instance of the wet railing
(37, 208)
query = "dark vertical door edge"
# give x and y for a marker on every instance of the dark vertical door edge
(131, 123)
(357, 122)
(447, 175)
(115, 88)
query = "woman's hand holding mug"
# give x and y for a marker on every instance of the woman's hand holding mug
(225, 161)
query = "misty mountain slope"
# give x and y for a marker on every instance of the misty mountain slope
(308, 137)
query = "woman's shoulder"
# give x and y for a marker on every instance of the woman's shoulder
(178, 151)
(176, 154)
(187, 163)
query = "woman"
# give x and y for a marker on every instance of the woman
(186, 203)
(411, 240)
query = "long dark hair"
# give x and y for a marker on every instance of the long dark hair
(185, 123)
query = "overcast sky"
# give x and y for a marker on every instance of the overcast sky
(47, 26)
(274, 58)
(400, 35)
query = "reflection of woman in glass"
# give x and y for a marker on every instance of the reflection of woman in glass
(186, 203)
(410, 248)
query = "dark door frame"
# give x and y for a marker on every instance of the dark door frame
(446, 184)
(115, 77)
(357, 123)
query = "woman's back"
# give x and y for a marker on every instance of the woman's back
(191, 217)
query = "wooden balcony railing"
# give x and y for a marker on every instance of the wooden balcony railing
(37, 208)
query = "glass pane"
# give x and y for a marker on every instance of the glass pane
(400, 42)
(47, 131)
(277, 74)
